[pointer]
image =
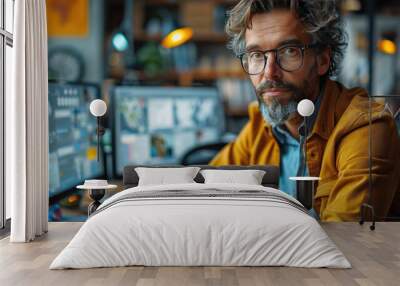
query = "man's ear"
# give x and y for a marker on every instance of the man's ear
(324, 61)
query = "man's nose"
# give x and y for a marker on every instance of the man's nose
(272, 70)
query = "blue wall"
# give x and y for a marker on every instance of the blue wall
(91, 48)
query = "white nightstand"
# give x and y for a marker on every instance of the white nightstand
(96, 193)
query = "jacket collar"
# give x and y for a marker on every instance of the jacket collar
(336, 99)
(325, 121)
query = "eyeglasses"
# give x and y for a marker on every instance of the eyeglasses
(288, 58)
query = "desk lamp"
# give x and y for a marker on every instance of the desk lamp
(98, 108)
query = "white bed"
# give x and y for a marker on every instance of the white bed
(185, 230)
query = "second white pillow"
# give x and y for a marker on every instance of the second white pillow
(249, 177)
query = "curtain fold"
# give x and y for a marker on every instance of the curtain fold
(27, 123)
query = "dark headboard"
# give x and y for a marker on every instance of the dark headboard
(270, 179)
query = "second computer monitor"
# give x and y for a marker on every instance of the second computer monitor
(157, 125)
(72, 136)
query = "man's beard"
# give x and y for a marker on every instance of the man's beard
(277, 113)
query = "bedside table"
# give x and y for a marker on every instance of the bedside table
(305, 190)
(96, 193)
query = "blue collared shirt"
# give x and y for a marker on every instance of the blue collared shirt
(290, 159)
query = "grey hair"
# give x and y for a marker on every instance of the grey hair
(319, 17)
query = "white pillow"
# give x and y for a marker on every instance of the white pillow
(249, 177)
(163, 176)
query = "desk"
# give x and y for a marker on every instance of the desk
(374, 255)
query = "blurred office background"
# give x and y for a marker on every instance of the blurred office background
(163, 102)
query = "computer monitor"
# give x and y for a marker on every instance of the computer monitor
(72, 136)
(157, 125)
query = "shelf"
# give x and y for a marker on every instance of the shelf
(237, 112)
(186, 78)
(178, 2)
(213, 75)
(209, 37)
(161, 2)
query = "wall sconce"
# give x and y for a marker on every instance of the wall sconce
(98, 108)
(305, 108)
(305, 185)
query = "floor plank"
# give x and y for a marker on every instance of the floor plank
(375, 257)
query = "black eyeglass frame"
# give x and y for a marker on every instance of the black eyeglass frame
(275, 51)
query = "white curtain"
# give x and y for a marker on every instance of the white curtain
(27, 123)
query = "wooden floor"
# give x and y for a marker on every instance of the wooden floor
(375, 257)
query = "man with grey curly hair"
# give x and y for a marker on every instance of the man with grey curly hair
(290, 49)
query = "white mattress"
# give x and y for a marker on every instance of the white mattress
(192, 231)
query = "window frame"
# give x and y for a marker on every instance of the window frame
(6, 39)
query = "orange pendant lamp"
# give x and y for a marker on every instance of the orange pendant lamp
(177, 37)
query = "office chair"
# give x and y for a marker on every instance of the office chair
(201, 154)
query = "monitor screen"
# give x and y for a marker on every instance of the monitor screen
(72, 136)
(157, 125)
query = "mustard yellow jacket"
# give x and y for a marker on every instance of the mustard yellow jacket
(337, 152)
